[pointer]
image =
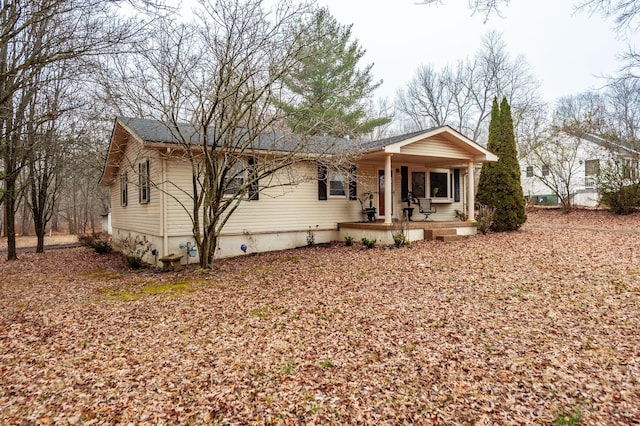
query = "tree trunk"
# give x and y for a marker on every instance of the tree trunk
(92, 220)
(71, 220)
(40, 231)
(24, 220)
(3, 223)
(54, 220)
(39, 221)
(207, 249)
(10, 216)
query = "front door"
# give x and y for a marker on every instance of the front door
(381, 211)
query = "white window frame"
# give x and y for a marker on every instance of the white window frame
(591, 170)
(337, 184)
(144, 181)
(447, 198)
(124, 189)
(545, 170)
(239, 174)
(529, 171)
(591, 167)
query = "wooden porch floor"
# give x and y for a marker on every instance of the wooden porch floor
(417, 230)
(379, 225)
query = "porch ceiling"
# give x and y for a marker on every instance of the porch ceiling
(426, 160)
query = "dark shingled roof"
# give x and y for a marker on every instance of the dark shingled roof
(619, 147)
(380, 143)
(158, 132)
(155, 131)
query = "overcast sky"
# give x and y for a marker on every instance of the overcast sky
(567, 51)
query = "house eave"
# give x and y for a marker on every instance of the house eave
(114, 152)
(475, 152)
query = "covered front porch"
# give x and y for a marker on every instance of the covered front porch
(436, 167)
(416, 230)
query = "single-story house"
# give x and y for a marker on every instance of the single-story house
(576, 160)
(147, 177)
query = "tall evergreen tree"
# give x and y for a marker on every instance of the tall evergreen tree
(499, 184)
(488, 175)
(328, 90)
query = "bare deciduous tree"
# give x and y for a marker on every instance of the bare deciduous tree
(613, 113)
(381, 108)
(35, 35)
(461, 96)
(624, 12)
(623, 99)
(484, 7)
(557, 157)
(610, 119)
(213, 84)
(47, 139)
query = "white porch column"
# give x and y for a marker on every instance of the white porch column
(388, 196)
(471, 208)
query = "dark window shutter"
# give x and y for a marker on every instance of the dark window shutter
(456, 185)
(353, 183)
(404, 183)
(254, 190)
(322, 182)
(148, 180)
(139, 182)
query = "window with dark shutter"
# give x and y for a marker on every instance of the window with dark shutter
(235, 178)
(353, 183)
(322, 182)
(418, 184)
(254, 189)
(337, 183)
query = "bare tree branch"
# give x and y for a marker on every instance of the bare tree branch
(624, 12)
(461, 96)
(484, 7)
(213, 84)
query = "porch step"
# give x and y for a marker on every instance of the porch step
(449, 238)
(433, 234)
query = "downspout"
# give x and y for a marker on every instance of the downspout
(165, 214)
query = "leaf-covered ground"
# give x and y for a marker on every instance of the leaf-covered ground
(535, 327)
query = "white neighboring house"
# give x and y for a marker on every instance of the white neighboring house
(568, 166)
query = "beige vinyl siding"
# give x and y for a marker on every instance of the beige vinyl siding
(279, 209)
(179, 202)
(288, 208)
(436, 147)
(136, 217)
(293, 208)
